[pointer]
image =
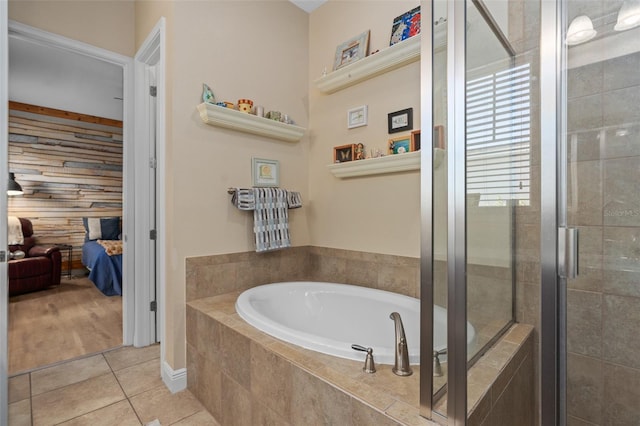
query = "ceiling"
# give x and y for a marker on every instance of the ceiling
(56, 78)
(308, 5)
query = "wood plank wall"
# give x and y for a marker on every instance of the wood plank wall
(69, 166)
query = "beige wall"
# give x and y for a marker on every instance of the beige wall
(105, 24)
(377, 214)
(207, 43)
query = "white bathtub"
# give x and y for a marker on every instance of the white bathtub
(329, 318)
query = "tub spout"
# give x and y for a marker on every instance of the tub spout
(402, 366)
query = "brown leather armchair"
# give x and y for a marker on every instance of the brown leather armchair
(39, 269)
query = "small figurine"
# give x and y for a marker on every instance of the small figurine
(207, 94)
(360, 151)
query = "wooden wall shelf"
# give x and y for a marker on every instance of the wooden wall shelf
(241, 121)
(387, 59)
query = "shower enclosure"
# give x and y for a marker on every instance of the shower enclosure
(530, 209)
(598, 155)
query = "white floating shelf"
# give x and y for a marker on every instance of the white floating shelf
(377, 166)
(241, 121)
(381, 165)
(385, 60)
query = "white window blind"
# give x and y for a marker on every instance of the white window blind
(499, 136)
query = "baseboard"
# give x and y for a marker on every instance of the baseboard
(175, 380)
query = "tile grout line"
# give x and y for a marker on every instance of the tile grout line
(122, 389)
(112, 371)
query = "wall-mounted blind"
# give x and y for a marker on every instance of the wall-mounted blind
(499, 136)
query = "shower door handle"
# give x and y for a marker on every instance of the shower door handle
(568, 264)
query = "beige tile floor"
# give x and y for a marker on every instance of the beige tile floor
(118, 387)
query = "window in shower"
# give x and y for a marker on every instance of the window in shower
(499, 137)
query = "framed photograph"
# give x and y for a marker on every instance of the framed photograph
(343, 153)
(352, 50)
(415, 140)
(400, 121)
(400, 145)
(265, 172)
(357, 117)
(405, 26)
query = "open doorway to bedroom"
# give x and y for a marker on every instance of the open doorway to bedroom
(66, 153)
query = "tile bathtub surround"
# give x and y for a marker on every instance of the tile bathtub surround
(121, 387)
(213, 275)
(219, 274)
(243, 375)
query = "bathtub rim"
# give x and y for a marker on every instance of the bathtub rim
(274, 329)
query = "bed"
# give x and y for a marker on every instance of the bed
(105, 270)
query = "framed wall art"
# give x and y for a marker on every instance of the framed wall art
(399, 121)
(405, 26)
(357, 117)
(352, 50)
(400, 145)
(415, 140)
(265, 172)
(343, 153)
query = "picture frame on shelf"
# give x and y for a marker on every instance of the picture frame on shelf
(357, 117)
(400, 145)
(405, 26)
(400, 121)
(343, 153)
(352, 50)
(265, 172)
(415, 140)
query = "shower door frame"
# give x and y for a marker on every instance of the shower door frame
(456, 245)
(457, 210)
(557, 257)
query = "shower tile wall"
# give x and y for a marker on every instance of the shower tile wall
(524, 35)
(604, 203)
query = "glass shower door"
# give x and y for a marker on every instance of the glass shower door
(601, 138)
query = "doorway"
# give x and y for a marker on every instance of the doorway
(111, 61)
(593, 297)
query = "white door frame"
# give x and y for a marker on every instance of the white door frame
(45, 38)
(149, 59)
(4, 170)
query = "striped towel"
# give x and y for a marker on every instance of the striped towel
(243, 199)
(271, 219)
(294, 200)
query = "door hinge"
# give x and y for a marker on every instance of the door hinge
(3, 256)
(153, 234)
(153, 91)
(153, 163)
(153, 306)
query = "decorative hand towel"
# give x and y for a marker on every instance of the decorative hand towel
(271, 219)
(294, 200)
(244, 199)
(14, 231)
